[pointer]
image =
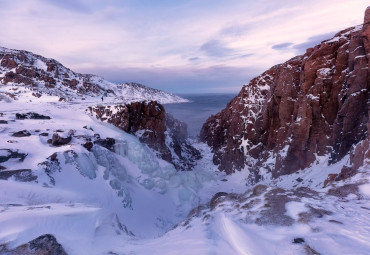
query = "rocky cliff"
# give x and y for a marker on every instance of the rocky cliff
(312, 105)
(154, 127)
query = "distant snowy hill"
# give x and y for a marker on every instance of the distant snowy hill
(135, 91)
(21, 70)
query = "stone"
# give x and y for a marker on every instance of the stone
(12, 154)
(31, 115)
(259, 189)
(22, 175)
(22, 133)
(107, 143)
(50, 166)
(88, 145)
(344, 191)
(298, 240)
(216, 199)
(42, 245)
(274, 212)
(57, 140)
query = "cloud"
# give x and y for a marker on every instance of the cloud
(218, 78)
(216, 48)
(69, 5)
(219, 49)
(281, 46)
(246, 55)
(194, 59)
(312, 41)
(237, 30)
(301, 47)
(174, 38)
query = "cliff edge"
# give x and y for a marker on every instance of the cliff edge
(312, 105)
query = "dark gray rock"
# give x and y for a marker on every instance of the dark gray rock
(298, 240)
(12, 155)
(22, 175)
(107, 143)
(22, 133)
(47, 243)
(42, 245)
(31, 115)
(57, 140)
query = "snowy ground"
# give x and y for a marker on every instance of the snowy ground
(130, 202)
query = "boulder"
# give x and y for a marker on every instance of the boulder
(22, 133)
(57, 140)
(31, 115)
(45, 244)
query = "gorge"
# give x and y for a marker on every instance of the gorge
(88, 166)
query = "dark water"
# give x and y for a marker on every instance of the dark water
(198, 110)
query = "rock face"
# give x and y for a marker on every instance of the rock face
(44, 75)
(150, 123)
(45, 244)
(312, 105)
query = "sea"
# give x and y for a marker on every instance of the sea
(198, 110)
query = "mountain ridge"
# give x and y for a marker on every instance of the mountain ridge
(47, 76)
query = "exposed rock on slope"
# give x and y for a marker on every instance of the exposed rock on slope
(47, 76)
(312, 105)
(150, 123)
(45, 244)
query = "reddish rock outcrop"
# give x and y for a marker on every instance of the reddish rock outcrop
(312, 105)
(150, 123)
(46, 76)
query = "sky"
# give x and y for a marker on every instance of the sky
(181, 46)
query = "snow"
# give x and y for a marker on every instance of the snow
(134, 92)
(365, 190)
(344, 35)
(85, 87)
(148, 194)
(129, 201)
(100, 197)
(360, 56)
(41, 65)
(324, 71)
(293, 209)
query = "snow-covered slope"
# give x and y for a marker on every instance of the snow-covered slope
(136, 91)
(22, 69)
(98, 190)
(97, 196)
(90, 198)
